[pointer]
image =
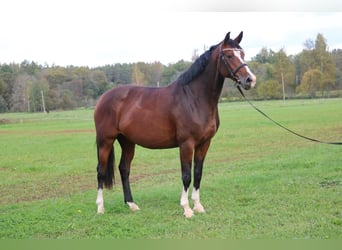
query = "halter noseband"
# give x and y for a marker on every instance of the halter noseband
(228, 67)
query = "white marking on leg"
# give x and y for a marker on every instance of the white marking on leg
(188, 213)
(99, 201)
(134, 207)
(195, 196)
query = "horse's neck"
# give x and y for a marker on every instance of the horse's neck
(208, 86)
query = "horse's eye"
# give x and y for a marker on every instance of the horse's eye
(229, 57)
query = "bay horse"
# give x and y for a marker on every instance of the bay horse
(183, 114)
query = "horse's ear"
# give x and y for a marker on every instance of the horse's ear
(239, 38)
(227, 38)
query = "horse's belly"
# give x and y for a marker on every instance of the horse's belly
(150, 133)
(153, 140)
(157, 144)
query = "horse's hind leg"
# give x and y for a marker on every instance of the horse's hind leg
(127, 154)
(105, 171)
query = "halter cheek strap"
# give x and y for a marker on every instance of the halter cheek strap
(238, 68)
(230, 70)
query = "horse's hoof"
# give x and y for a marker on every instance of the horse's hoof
(188, 213)
(100, 210)
(199, 208)
(134, 207)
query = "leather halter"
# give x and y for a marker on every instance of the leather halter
(231, 71)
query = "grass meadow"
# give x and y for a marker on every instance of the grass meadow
(259, 181)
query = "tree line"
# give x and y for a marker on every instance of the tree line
(32, 87)
(314, 72)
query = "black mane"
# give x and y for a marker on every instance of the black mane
(196, 68)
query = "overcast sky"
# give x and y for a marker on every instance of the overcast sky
(99, 32)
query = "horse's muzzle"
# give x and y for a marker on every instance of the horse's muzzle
(247, 82)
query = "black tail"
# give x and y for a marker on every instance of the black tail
(108, 177)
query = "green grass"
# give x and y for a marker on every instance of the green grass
(259, 182)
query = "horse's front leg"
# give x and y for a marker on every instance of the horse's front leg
(200, 153)
(186, 152)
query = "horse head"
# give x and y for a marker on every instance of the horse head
(232, 64)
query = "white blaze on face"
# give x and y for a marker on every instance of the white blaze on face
(237, 54)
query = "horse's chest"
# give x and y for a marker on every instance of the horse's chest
(205, 129)
(209, 130)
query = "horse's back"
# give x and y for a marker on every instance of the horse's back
(141, 114)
